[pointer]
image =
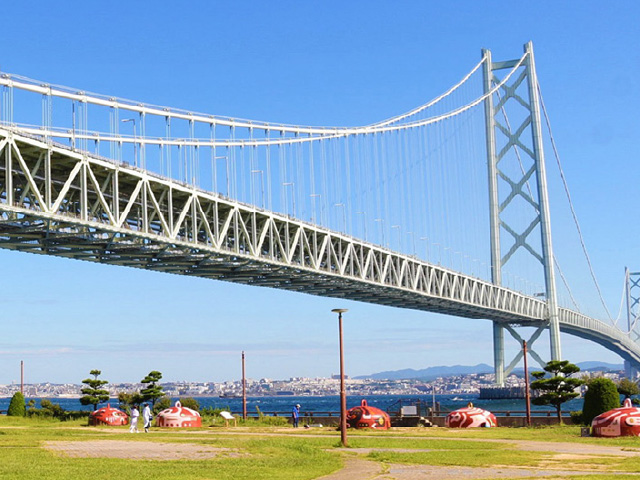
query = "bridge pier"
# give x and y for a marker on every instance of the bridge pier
(506, 169)
(498, 353)
(630, 370)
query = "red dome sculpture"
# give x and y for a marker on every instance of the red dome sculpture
(365, 416)
(108, 416)
(179, 416)
(623, 421)
(471, 417)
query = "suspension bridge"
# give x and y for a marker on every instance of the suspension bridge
(392, 213)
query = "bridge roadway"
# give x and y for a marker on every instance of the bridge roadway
(55, 200)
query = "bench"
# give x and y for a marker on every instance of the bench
(227, 416)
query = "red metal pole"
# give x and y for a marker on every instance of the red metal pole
(526, 384)
(244, 391)
(22, 377)
(343, 394)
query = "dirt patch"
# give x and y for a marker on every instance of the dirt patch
(355, 467)
(581, 449)
(361, 469)
(135, 450)
(429, 472)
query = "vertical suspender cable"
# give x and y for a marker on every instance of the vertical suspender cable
(573, 212)
(268, 180)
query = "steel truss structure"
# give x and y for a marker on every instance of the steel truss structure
(55, 200)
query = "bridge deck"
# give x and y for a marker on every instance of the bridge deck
(58, 201)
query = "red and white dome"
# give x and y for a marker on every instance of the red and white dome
(108, 416)
(471, 417)
(623, 421)
(179, 416)
(366, 416)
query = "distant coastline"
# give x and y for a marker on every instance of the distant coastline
(456, 380)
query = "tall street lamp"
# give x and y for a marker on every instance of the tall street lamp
(135, 149)
(261, 186)
(343, 395)
(293, 197)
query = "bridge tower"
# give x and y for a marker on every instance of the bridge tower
(632, 291)
(521, 145)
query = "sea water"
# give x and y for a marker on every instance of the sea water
(282, 405)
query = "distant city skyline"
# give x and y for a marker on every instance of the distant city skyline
(305, 63)
(467, 380)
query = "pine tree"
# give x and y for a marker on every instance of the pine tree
(93, 393)
(559, 388)
(127, 400)
(628, 388)
(17, 406)
(152, 391)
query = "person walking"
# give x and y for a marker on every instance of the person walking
(295, 415)
(147, 417)
(134, 419)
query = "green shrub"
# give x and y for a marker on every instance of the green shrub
(601, 396)
(268, 421)
(51, 410)
(576, 417)
(17, 407)
(211, 411)
(261, 421)
(191, 403)
(162, 404)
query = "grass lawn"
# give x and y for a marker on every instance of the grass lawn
(22, 455)
(282, 453)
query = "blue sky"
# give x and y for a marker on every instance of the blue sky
(318, 63)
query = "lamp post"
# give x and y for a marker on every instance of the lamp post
(244, 391)
(381, 220)
(399, 236)
(215, 169)
(343, 395)
(413, 242)
(426, 241)
(313, 208)
(293, 198)
(450, 260)
(344, 215)
(439, 252)
(526, 383)
(135, 149)
(261, 186)
(364, 223)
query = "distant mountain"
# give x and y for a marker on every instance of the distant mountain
(430, 373)
(595, 365)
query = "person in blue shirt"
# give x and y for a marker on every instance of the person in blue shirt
(295, 415)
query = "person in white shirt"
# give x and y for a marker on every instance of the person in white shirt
(146, 416)
(134, 419)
